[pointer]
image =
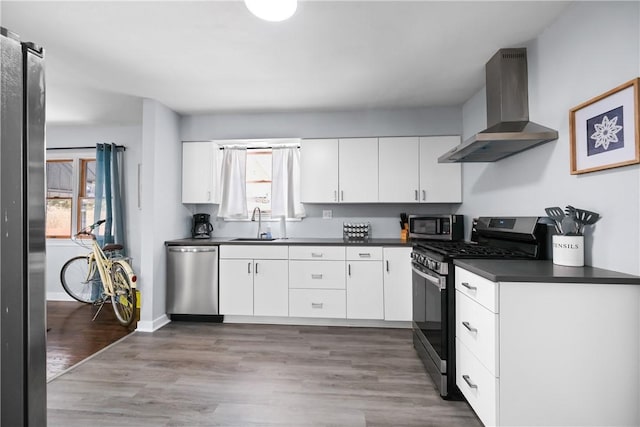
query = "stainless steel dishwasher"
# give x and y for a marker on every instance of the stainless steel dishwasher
(192, 280)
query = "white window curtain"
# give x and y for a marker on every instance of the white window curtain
(285, 183)
(233, 182)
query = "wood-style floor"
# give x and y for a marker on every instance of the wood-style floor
(72, 336)
(189, 374)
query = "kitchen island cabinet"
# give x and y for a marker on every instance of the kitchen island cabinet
(563, 351)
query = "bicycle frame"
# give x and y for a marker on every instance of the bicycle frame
(98, 259)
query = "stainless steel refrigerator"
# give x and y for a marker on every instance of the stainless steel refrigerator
(22, 235)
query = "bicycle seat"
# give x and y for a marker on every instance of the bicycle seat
(112, 247)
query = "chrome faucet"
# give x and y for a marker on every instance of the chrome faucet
(253, 218)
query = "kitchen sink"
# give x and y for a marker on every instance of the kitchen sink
(252, 239)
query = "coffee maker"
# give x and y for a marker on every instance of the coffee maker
(202, 228)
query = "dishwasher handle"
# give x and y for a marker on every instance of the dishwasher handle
(192, 249)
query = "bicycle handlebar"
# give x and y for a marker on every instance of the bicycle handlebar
(88, 230)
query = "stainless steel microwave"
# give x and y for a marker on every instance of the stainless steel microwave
(436, 227)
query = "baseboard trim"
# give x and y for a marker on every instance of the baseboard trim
(58, 296)
(304, 321)
(153, 325)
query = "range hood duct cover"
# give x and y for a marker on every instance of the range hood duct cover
(510, 130)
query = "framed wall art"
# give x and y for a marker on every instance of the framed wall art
(605, 131)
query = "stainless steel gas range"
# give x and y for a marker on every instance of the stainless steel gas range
(434, 285)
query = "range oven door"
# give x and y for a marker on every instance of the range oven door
(430, 313)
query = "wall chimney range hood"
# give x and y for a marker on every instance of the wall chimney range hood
(510, 130)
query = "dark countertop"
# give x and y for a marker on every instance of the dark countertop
(542, 271)
(292, 242)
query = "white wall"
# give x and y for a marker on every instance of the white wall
(163, 215)
(60, 250)
(384, 218)
(590, 49)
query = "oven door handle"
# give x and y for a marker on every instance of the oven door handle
(439, 282)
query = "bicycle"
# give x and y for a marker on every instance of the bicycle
(84, 276)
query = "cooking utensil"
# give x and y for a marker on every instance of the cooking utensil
(557, 214)
(585, 217)
(569, 225)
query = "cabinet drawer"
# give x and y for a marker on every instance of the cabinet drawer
(364, 253)
(258, 251)
(332, 253)
(480, 388)
(477, 328)
(317, 303)
(477, 288)
(317, 274)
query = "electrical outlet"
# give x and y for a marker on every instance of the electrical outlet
(327, 214)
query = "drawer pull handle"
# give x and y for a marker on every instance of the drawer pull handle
(316, 276)
(365, 255)
(469, 327)
(316, 304)
(468, 286)
(468, 381)
(316, 255)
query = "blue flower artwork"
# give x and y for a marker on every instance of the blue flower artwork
(604, 132)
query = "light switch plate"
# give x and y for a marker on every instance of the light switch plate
(327, 214)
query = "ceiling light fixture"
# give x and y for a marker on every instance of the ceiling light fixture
(272, 10)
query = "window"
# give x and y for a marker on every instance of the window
(86, 192)
(70, 194)
(59, 197)
(259, 181)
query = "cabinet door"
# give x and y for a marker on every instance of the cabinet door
(358, 170)
(439, 182)
(199, 172)
(236, 286)
(397, 284)
(398, 178)
(271, 288)
(319, 170)
(364, 290)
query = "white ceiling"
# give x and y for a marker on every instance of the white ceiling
(214, 56)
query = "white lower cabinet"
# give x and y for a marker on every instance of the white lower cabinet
(254, 286)
(270, 288)
(397, 284)
(354, 282)
(365, 294)
(561, 354)
(317, 282)
(236, 286)
(321, 303)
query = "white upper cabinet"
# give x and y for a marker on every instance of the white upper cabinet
(358, 170)
(399, 176)
(200, 172)
(380, 170)
(439, 182)
(319, 171)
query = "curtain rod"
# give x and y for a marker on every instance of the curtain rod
(119, 147)
(266, 147)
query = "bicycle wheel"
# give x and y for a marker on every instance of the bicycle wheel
(124, 298)
(75, 282)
